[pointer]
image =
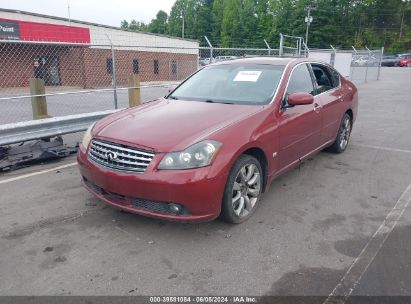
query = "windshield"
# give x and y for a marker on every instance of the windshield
(232, 83)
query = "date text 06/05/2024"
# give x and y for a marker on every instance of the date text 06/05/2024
(201, 299)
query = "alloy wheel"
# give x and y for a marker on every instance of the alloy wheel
(345, 133)
(246, 189)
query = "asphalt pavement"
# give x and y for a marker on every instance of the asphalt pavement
(16, 110)
(336, 225)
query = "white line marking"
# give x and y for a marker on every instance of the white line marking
(381, 148)
(36, 173)
(360, 265)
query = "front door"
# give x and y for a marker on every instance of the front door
(300, 126)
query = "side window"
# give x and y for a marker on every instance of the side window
(335, 77)
(322, 77)
(300, 81)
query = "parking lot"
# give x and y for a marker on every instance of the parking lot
(336, 225)
(20, 109)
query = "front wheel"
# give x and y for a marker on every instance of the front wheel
(243, 190)
(343, 135)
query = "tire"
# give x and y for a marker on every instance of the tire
(243, 190)
(343, 135)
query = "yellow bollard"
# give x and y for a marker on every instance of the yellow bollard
(38, 103)
(134, 98)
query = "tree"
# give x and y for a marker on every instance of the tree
(137, 26)
(124, 24)
(175, 21)
(202, 25)
(230, 26)
(159, 24)
(246, 23)
(217, 12)
(264, 23)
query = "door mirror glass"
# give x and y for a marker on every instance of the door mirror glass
(300, 98)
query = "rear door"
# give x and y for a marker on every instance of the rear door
(300, 126)
(329, 95)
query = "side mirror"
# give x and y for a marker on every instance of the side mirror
(300, 98)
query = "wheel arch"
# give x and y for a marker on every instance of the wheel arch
(260, 155)
(351, 113)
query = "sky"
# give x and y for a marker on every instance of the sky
(98, 11)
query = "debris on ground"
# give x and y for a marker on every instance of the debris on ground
(24, 154)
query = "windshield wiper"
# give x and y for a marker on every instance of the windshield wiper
(173, 97)
(212, 101)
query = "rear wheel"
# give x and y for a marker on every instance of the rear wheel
(243, 190)
(343, 135)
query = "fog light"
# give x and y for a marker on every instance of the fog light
(174, 208)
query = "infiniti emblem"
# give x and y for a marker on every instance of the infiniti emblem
(111, 156)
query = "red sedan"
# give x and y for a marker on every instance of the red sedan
(405, 62)
(215, 143)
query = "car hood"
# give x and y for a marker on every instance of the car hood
(170, 125)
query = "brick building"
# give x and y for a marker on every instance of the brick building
(67, 52)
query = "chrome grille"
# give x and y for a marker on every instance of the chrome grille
(119, 157)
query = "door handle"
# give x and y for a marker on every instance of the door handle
(317, 108)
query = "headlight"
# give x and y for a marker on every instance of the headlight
(87, 136)
(199, 155)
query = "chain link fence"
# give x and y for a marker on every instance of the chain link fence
(83, 78)
(359, 66)
(366, 65)
(212, 55)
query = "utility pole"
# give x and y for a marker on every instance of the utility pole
(308, 20)
(182, 30)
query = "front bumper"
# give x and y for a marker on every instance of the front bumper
(145, 193)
